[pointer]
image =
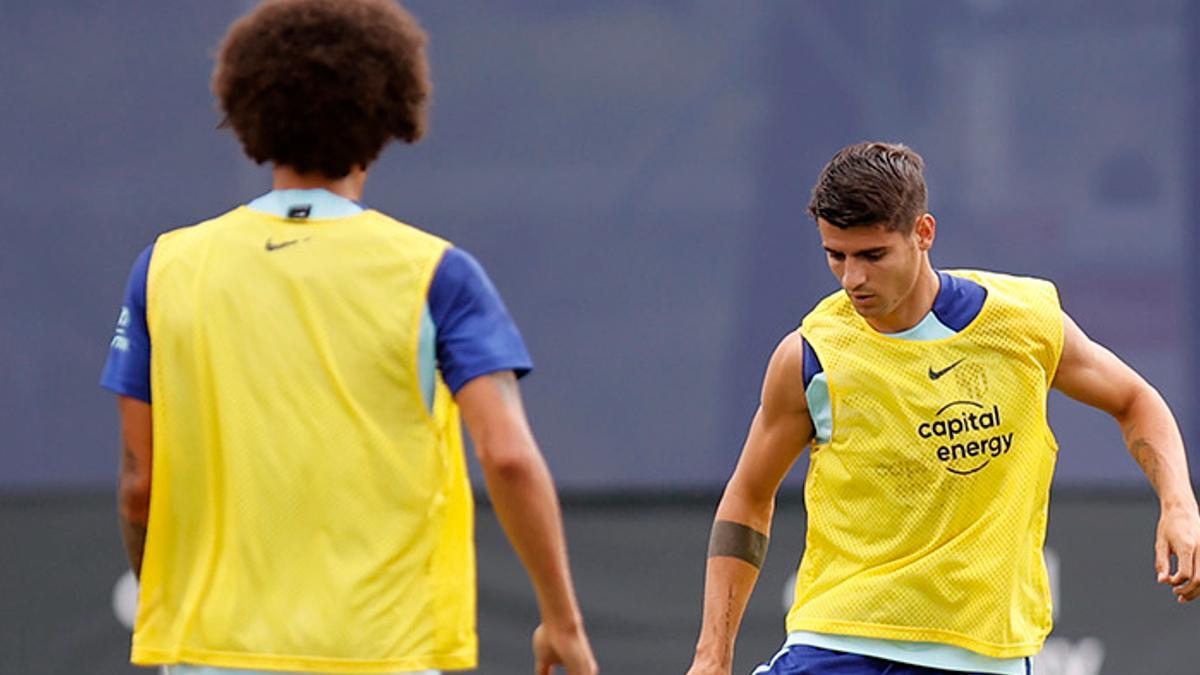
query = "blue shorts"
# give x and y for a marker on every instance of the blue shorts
(806, 660)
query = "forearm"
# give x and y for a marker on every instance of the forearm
(1153, 438)
(736, 549)
(133, 509)
(134, 535)
(526, 505)
(133, 489)
(1091, 374)
(728, 583)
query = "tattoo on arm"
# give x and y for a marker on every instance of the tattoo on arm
(728, 624)
(735, 540)
(1143, 453)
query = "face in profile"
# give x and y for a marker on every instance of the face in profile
(877, 267)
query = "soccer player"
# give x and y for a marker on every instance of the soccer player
(293, 489)
(923, 394)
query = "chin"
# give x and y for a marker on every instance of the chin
(876, 310)
(871, 310)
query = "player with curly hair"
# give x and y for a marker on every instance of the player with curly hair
(293, 489)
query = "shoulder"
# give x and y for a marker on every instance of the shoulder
(783, 386)
(458, 279)
(475, 333)
(1008, 284)
(786, 366)
(458, 267)
(1025, 312)
(1020, 299)
(463, 298)
(141, 264)
(191, 234)
(393, 227)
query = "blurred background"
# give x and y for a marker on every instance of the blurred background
(633, 175)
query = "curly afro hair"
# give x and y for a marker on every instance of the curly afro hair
(322, 86)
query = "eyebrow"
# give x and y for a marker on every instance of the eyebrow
(865, 252)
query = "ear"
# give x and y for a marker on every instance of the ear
(925, 231)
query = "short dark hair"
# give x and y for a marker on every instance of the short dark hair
(323, 85)
(870, 184)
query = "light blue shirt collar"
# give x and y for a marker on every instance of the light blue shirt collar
(315, 204)
(929, 328)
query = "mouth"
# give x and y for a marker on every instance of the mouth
(862, 297)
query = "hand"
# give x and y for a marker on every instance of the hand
(1179, 535)
(566, 648)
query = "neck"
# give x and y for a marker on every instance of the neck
(914, 308)
(349, 186)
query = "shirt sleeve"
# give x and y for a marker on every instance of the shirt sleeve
(811, 365)
(475, 334)
(127, 370)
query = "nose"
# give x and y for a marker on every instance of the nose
(854, 274)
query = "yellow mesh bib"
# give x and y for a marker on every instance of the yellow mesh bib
(927, 507)
(307, 510)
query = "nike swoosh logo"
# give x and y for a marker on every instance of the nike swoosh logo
(283, 244)
(935, 374)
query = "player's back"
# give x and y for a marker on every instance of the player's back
(310, 508)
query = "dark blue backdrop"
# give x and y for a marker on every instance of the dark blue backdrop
(634, 176)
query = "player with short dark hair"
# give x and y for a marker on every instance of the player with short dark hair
(871, 184)
(923, 394)
(291, 373)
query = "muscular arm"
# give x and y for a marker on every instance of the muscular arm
(1091, 374)
(780, 430)
(526, 504)
(133, 492)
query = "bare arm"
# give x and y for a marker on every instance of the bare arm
(1091, 374)
(780, 430)
(133, 492)
(523, 495)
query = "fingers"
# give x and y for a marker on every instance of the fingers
(587, 661)
(577, 660)
(1179, 537)
(1189, 588)
(571, 653)
(1162, 558)
(586, 666)
(543, 657)
(543, 661)
(1184, 565)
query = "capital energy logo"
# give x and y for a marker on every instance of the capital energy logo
(968, 436)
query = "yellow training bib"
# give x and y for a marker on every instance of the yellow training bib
(927, 507)
(307, 510)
